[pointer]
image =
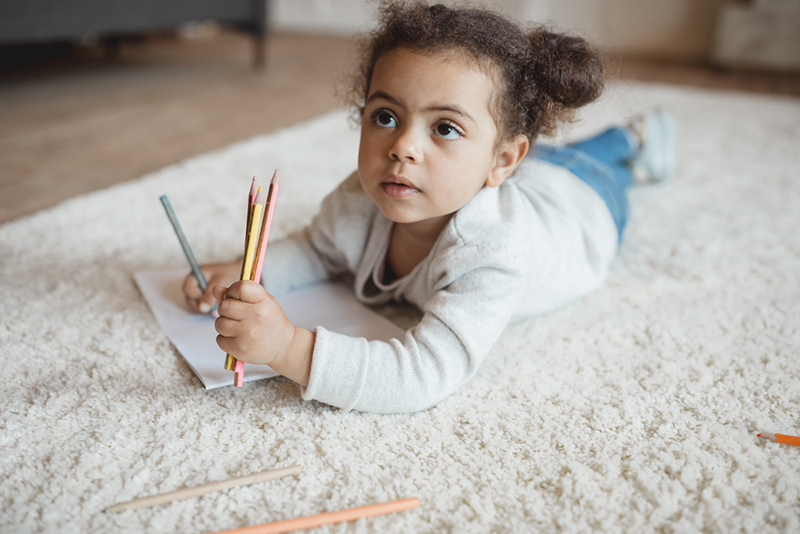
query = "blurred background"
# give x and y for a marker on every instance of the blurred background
(96, 92)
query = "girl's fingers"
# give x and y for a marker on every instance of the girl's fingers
(218, 292)
(233, 309)
(191, 292)
(227, 344)
(207, 301)
(226, 327)
(247, 291)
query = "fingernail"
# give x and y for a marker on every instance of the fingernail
(205, 307)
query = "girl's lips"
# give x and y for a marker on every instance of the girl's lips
(398, 189)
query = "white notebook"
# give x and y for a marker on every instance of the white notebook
(330, 305)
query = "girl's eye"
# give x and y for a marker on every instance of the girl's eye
(445, 130)
(385, 120)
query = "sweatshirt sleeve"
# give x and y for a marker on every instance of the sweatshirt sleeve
(292, 263)
(461, 323)
(330, 246)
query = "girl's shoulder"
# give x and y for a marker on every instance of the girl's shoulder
(493, 228)
(494, 214)
(520, 220)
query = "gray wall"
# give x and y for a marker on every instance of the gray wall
(673, 29)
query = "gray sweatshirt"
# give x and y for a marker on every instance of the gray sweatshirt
(539, 241)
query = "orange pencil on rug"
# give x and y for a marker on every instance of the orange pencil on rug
(328, 518)
(780, 438)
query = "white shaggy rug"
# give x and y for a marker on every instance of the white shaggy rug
(634, 410)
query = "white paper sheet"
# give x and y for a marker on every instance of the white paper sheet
(330, 305)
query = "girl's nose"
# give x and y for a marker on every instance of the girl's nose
(406, 147)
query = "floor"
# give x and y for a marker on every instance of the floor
(85, 120)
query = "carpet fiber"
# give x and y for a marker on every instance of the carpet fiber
(635, 409)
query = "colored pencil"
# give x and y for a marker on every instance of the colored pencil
(251, 238)
(251, 198)
(230, 361)
(256, 241)
(328, 518)
(248, 233)
(266, 224)
(238, 373)
(187, 250)
(252, 241)
(780, 438)
(211, 487)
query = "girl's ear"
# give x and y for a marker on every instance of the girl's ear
(508, 156)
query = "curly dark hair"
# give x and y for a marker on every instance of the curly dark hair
(542, 76)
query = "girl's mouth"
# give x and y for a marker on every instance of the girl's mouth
(398, 187)
(396, 190)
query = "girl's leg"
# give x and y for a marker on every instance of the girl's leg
(607, 161)
(603, 163)
(615, 146)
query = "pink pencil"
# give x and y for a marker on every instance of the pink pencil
(267, 224)
(238, 370)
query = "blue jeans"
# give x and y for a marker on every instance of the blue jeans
(603, 162)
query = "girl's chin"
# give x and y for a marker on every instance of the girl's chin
(400, 216)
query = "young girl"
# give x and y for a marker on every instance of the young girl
(447, 210)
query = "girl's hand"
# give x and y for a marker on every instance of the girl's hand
(253, 328)
(217, 274)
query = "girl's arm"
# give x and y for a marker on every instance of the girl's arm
(434, 359)
(292, 263)
(460, 325)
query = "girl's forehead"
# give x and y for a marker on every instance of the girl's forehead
(452, 60)
(433, 73)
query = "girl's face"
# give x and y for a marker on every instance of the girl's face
(428, 137)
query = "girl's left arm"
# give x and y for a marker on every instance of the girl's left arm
(460, 325)
(435, 358)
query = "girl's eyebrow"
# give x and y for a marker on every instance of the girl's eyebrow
(444, 107)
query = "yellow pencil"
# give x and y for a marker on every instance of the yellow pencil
(252, 236)
(247, 263)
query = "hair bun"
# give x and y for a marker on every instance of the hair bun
(566, 68)
(541, 77)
